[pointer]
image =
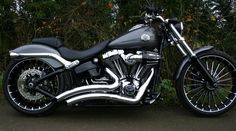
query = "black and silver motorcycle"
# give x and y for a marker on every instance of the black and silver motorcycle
(125, 69)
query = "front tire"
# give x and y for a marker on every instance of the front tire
(17, 91)
(198, 95)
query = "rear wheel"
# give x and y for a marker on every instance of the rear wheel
(198, 95)
(19, 91)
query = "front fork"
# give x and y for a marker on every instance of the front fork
(187, 51)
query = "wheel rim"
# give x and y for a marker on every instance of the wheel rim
(201, 95)
(19, 79)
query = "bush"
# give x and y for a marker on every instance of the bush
(168, 93)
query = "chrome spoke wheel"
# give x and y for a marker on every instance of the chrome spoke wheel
(20, 86)
(205, 97)
(199, 95)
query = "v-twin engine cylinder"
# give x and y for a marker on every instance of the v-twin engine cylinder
(131, 78)
(131, 68)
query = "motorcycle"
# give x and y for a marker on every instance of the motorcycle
(125, 69)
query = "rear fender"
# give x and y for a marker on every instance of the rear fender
(45, 53)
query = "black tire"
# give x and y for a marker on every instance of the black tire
(35, 104)
(198, 96)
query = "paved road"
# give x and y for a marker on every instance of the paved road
(148, 118)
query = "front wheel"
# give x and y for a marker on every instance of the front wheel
(203, 98)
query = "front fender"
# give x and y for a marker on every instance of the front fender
(34, 49)
(186, 59)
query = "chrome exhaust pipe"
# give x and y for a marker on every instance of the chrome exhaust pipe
(119, 98)
(87, 88)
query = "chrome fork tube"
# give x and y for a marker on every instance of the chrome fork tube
(182, 45)
(181, 50)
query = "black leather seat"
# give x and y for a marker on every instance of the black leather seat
(70, 54)
(49, 41)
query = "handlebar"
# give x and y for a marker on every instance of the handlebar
(152, 13)
(151, 17)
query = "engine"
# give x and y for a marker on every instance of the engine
(131, 68)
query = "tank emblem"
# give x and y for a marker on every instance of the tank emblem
(145, 37)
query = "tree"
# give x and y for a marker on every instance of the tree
(82, 23)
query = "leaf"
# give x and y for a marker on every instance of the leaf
(189, 18)
(84, 3)
(213, 18)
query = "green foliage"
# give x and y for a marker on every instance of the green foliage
(168, 93)
(87, 23)
(41, 9)
(82, 23)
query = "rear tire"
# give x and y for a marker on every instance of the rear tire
(200, 97)
(16, 86)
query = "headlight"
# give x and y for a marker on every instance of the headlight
(179, 27)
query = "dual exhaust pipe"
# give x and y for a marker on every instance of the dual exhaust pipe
(73, 96)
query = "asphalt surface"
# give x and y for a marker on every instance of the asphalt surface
(145, 118)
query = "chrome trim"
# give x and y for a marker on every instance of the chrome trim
(140, 68)
(182, 41)
(161, 18)
(98, 81)
(182, 26)
(136, 27)
(129, 100)
(73, 64)
(181, 50)
(118, 67)
(112, 53)
(66, 63)
(132, 58)
(87, 88)
(13, 54)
